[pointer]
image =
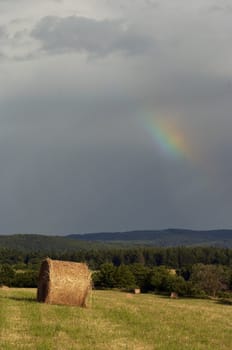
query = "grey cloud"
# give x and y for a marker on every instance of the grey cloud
(89, 35)
(73, 166)
(3, 33)
(220, 8)
(76, 154)
(3, 37)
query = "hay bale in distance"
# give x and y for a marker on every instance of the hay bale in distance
(174, 295)
(63, 282)
(3, 287)
(137, 291)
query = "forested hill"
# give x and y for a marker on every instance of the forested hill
(163, 238)
(43, 243)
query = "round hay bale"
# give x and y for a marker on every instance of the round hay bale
(137, 291)
(174, 295)
(4, 287)
(64, 282)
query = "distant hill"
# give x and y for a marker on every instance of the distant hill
(43, 243)
(162, 238)
(158, 238)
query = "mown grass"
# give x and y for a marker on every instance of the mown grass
(114, 321)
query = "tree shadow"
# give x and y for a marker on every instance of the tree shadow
(27, 299)
(23, 298)
(225, 302)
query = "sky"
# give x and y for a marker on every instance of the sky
(115, 115)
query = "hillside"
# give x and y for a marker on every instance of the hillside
(162, 238)
(36, 243)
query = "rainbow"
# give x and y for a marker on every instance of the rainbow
(168, 138)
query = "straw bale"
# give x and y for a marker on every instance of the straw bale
(3, 287)
(137, 291)
(174, 295)
(64, 282)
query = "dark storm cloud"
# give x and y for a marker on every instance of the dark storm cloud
(68, 165)
(92, 36)
(76, 152)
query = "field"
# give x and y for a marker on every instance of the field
(114, 321)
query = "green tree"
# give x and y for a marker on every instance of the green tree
(160, 279)
(6, 274)
(209, 278)
(27, 279)
(105, 277)
(141, 275)
(124, 278)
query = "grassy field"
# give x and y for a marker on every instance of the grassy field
(114, 321)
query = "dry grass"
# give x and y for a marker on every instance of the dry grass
(115, 321)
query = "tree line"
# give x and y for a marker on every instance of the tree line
(184, 270)
(196, 280)
(174, 257)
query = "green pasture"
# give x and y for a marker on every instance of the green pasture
(114, 320)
